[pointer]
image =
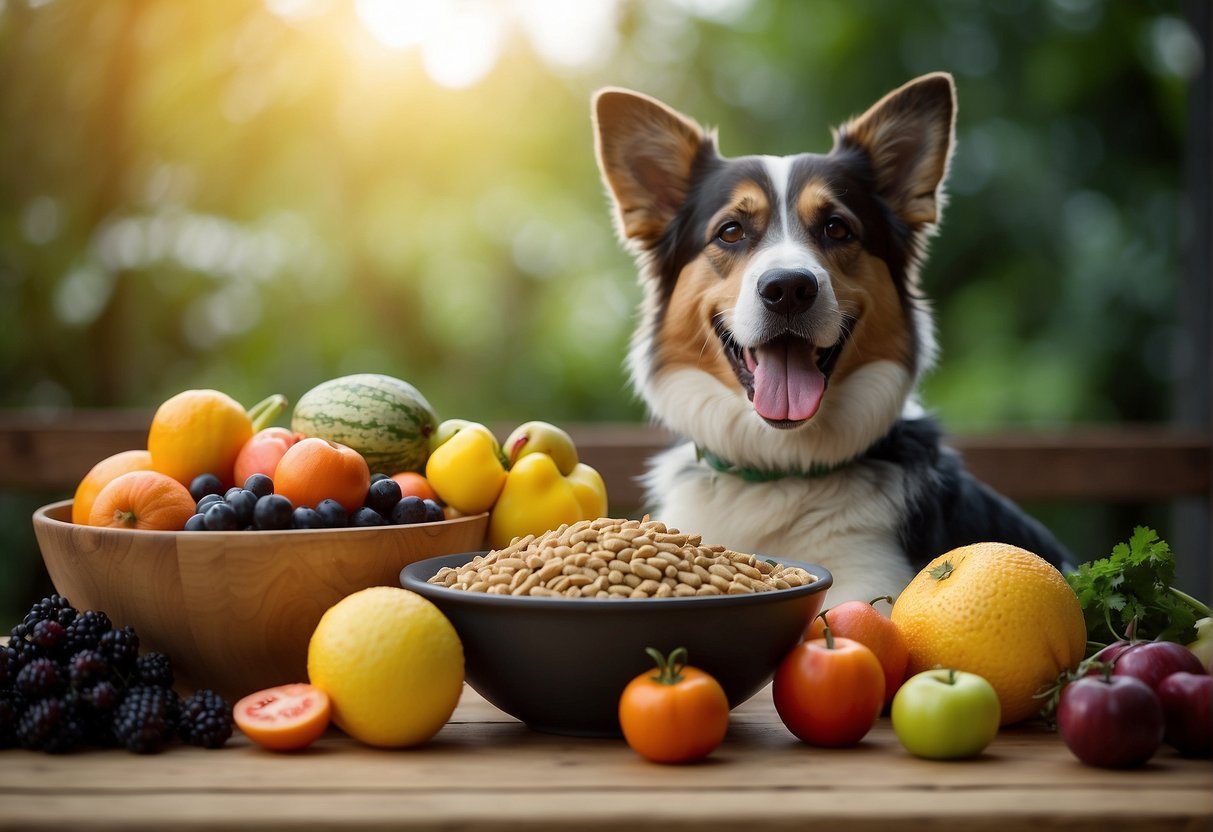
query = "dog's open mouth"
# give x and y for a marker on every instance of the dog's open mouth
(785, 377)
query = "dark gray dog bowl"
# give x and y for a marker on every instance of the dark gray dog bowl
(560, 664)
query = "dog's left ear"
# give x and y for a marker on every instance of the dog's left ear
(908, 136)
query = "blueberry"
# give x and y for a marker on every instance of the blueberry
(243, 502)
(208, 501)
(233, 490)
(377, 477)
(273, 511)
(197, 523)
(333, 513)
(383, 495)
(409, 510)
(366, 517)
(259, 484)
(204, 484)
(306, 517)
(433, 512)
(221, 517)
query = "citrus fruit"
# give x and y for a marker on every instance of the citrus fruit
(284, 718)
(391, 664)
(142, 500)
(998, 611)
(198, 432)
(100, 475)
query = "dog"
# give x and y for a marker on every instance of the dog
(783, 332)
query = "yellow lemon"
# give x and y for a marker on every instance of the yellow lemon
(998, 611)
(391, 664)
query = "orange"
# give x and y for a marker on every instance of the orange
(416, 485)
(198, 432)
(142, 500)
(313, 470)
(100, 475)
(998, 611)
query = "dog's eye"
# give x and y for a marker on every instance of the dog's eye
(837, 229)
(731, 232)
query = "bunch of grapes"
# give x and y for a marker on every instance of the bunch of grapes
(70, 678)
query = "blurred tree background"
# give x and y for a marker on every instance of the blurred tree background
(260, 195)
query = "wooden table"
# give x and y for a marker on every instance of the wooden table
(484, 770)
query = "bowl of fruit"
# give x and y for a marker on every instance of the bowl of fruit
(228, 568)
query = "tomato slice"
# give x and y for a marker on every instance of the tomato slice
(284, 718)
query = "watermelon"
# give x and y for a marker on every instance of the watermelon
(385, 419)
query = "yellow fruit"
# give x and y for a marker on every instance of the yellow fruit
(998, 611)
(391, 664)
(198, 432)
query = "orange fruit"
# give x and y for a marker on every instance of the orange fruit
(861, 621)
(415, 485)
(142, 500)
(100, 475)
(314, 469)
(998, 611)
(198, 432)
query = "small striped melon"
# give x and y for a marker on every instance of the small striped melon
(385, 419)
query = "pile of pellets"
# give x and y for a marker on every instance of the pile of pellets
(609, 558)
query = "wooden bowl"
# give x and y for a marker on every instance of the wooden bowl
(234, 610)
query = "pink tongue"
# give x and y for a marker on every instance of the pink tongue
(787, 384)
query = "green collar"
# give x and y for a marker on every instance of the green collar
(815, 471)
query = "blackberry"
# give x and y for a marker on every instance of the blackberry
(52, 608)
(86, 631)
(146, 720)
(153, 669)
(23, 652)
(11, 706)
(121, 647)
(50, 725)
(87, 668)
(206, 719)
(8, 667)
(49, 634)
(40, 679)
(103, 697)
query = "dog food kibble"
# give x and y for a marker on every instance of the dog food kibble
(608, 558)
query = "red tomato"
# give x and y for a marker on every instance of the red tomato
(676, 715)
(829, 691)
(284, 718)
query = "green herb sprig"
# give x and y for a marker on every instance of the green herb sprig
(1130, 591)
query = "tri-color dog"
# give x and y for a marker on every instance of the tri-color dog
(783, 333)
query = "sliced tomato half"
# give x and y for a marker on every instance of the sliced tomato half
(284, 718)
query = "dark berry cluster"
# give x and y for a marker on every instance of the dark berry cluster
(256, 506)
(70, 678)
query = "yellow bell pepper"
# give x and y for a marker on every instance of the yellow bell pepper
(466, 470)
(537, 498)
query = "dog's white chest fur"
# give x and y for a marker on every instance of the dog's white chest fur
(845, 522)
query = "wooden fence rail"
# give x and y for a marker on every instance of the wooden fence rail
(51, 452)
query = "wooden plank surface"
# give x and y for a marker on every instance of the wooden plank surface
(486, 771)
(1121, 464)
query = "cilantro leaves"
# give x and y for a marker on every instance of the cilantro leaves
(1134, 584)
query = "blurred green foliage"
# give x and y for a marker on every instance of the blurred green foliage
(258, 196)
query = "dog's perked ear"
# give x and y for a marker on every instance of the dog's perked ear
(646, 152)
(908, 137)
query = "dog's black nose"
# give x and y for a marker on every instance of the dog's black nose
(787, 291)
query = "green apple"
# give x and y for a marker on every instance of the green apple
(542, 438)
(1203, 646)
(945, 714)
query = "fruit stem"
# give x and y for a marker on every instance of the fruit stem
(669, 670)
(264, 412)
(951, 675)
(888, 598)
(826, 633)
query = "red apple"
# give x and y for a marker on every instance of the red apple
(261, 453)
(1153, 661)
(1110, 721)
(1186, 701)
